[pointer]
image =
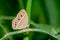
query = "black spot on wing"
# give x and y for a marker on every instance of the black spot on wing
(18, 19)
(21, 15)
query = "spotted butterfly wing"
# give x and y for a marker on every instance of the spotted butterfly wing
(21, 20)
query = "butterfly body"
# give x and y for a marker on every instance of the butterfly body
(20, 21)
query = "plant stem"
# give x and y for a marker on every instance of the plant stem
(6, 17)
(21, 5)
(28, 8)
(13, 33)
(5, 30)
(22, 31)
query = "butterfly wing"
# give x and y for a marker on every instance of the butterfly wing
(13, 23)
(21, 20)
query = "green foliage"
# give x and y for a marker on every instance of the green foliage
(44, 19)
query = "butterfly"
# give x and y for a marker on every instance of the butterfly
(21, 20)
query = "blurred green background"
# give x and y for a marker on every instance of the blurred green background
(46, 12)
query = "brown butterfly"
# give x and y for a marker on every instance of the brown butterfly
(20, 21)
